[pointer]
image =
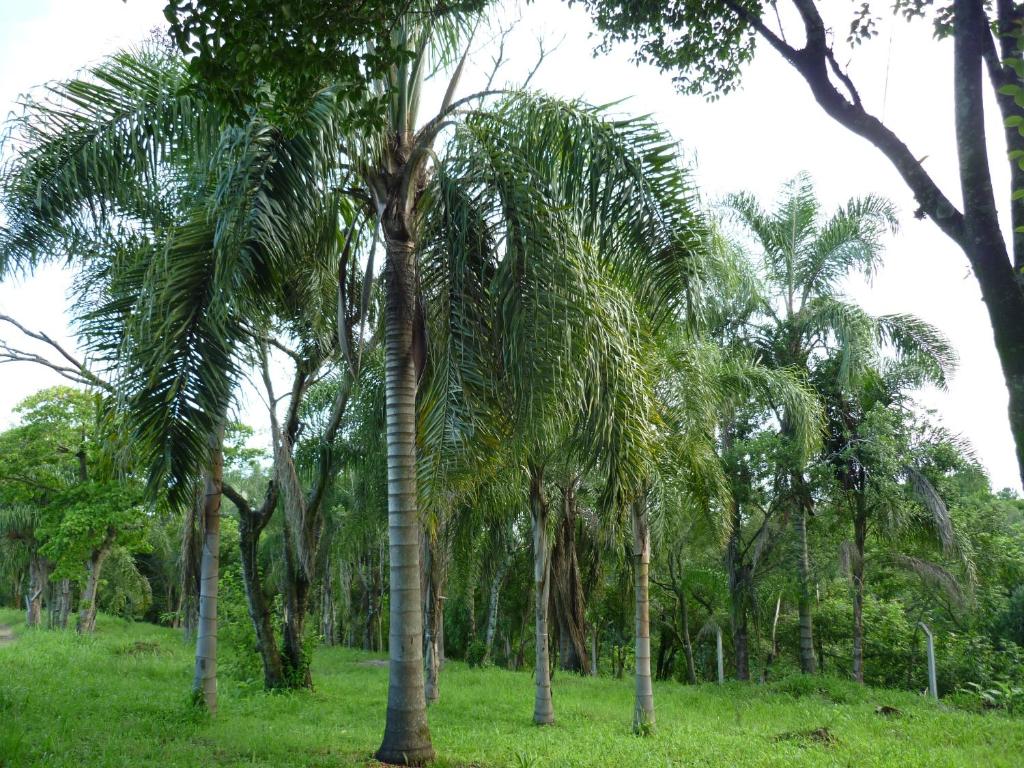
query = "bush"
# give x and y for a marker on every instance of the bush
(475, 653)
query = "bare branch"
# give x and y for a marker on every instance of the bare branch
(76, 372)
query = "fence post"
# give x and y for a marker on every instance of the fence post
(718, 649)
(933, 686)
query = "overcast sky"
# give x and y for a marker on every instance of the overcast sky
(754, 139)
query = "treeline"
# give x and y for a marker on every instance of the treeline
(531, 401)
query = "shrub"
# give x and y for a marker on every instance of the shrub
(475, 653)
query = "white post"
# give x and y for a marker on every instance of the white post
(718, 649)
(933, 686)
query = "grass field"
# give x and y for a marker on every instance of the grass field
(121, 699)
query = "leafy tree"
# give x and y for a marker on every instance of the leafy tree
(804, 318)
(707, 45)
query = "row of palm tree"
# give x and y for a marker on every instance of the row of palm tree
(544, 309)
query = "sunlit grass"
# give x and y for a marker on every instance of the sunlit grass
(121, 699)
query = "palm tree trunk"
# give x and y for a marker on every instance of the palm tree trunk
(492, 610)
(860, 529)
(691, 668)
(406, 733)
(738, 596)
(805, 604)
(433, 614)
(328, 618)
(204, 683)
(543, 709)
(567, 589)
(643, 712)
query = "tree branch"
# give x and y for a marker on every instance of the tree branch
(77, 372)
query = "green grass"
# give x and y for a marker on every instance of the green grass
(121, 699)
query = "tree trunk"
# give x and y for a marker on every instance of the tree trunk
(63, 608)
(567, 589)
(691, 668)
(860, 529)
(38, 576)
(1002, 287)
(328, 619)
(250, 526)
(739, 585)
(805, 604)
(492, 609)
(543, 709)
(296, 606)
(643, 712)
(434, 571)
(406, 733)
(87, 606)
(204, 682)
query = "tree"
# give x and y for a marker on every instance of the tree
(803, 317)
(880, 458)
(706, 46)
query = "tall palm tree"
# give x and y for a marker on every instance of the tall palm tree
(880, 466)
(803, 257)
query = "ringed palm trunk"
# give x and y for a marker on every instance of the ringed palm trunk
(805, 604)
(406, 733)
(204, 682)
(543, 710)
(643, 711)
(87, 607)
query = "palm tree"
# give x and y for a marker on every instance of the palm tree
(803, 315)
(880, 466)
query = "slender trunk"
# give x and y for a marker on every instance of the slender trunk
(38, 576)
(434, 569)
(860, 529)
(406, 733)
(328, 626)
(543, 710)
(191, 557)
(492, 610)
(204, 682)
(250, 526)
(739, 584)
(87, 606)
(471, 601)
(691, 668)
(805, 604)
(643, 712)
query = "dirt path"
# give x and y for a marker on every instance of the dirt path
(6, 635)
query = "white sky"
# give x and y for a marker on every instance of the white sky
(754, 139)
